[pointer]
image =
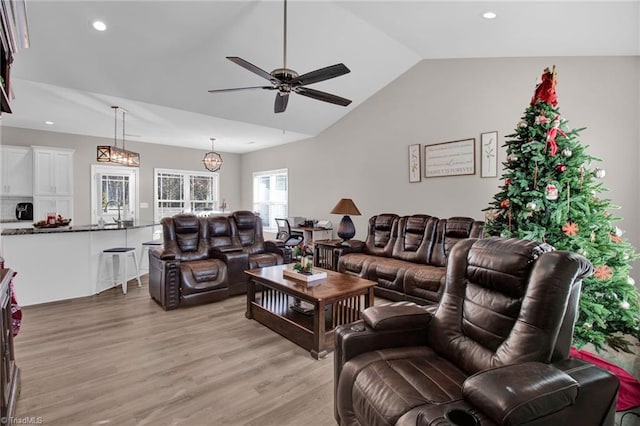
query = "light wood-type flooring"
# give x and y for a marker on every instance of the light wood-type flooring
(121, 360)
(115, 359)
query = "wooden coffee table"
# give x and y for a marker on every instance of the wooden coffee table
(280, 304)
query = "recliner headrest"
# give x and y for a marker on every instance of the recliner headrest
(244, 219)
(503, 264)
(384, 222)
(218, 226)
(458, 227)
(416, 223)
(186, 223)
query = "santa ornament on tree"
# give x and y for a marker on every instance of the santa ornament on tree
(547, 167)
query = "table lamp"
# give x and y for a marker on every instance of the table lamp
(346, 229)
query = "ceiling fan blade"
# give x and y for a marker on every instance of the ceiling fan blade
(234, 89)
(254, 69)
(282, 99)
(242, 88)
(321, 75)
(322, 96)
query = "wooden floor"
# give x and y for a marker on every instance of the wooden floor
(121, 360)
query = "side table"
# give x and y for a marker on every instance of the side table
(326, 253)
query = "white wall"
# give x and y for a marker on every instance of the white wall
(364, 156)
(151, 156)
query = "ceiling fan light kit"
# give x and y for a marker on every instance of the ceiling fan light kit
(286, 80)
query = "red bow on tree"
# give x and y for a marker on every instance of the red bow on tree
(546, 90)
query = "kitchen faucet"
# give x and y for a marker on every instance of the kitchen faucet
(118, 205)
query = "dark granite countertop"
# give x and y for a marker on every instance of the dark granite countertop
(82, 228)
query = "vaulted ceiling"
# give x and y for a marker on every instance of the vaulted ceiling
(157, 59)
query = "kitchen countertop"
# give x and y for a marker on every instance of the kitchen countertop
(30, 229)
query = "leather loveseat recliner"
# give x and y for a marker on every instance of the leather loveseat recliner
(407, 256)
(203, 259)
(495, 352)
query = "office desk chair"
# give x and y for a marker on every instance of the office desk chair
(290, 239)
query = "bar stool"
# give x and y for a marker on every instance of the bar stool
(146, 246)
(119, 257)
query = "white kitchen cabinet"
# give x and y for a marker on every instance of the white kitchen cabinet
(59, 205)
(17, 171)
(52, 171)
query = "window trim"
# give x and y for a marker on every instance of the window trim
(185, 174)
(269, 173)
(100, 169)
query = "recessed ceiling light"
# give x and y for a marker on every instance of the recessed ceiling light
(489, 15)
(49, 123)
(99, 25)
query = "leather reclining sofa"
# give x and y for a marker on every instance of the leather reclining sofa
(407, 256)
(204, 258)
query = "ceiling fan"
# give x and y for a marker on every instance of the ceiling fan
(286, 80)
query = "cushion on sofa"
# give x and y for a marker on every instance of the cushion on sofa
(203, 275)
(424, 282)
(415, 238)
(449, 232)
(261, 260)
(356, 264)
(388, 272)
(383, 230)
(220, 233)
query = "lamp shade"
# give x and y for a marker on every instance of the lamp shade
(346, 206)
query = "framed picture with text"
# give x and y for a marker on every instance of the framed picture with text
(489, 154)
(450, 158)
(415, 165)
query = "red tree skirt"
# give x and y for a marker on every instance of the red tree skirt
(629, 393)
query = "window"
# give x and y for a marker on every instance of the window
(114, 193)
(181, 191)
(271, 196)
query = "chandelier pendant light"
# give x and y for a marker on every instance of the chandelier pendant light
(113, 154)
(212, 160)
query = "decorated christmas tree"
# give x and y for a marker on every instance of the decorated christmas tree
(550, 192)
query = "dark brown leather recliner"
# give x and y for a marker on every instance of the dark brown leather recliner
(183, 273)
(248, 228)
(495, 352)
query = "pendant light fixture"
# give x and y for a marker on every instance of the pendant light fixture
(113, 154)
(212, 160)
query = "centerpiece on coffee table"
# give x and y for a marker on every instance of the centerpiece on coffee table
(304, 271)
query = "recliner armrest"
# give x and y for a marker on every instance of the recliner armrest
(165, 254)
(274, 245)
(521, 393)
(226, 249)
(352, 246)
(278, 247)
(396, 317)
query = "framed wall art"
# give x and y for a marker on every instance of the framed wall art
(450, 158)
(489, 154)
(415, 165)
